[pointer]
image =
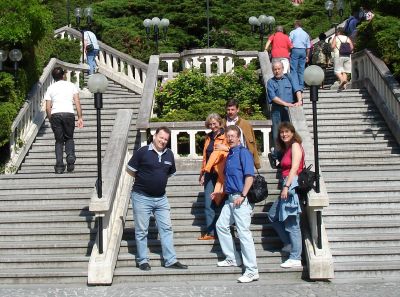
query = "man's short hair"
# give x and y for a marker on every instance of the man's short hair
(277, 62)
(234, 128)
(58, 73)
(232, 102)
(297, 23)
(163, 128)
(279, 28)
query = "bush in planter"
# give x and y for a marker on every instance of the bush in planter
(192, 96)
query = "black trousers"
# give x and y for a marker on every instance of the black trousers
(63, 126)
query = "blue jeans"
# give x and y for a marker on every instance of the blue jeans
(279, 114)
(91, 56)
(209, 206)
(241, 216)
(143, 207)
(298, 64)
(288, 230)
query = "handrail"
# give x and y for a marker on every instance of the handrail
(32, 114)
(116, 65)
(112, 207)
(371, 73)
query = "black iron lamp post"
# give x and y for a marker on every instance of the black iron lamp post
(97, 84)
(208, 22)
(261, 22)
(15, 55)
(3, 58)
(329, 5)
(156, 24)
(88, 14)
(68, 15)
(314, 76)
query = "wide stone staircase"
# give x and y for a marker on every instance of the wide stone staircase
(186, 198)
(46, 229)
(360, 163)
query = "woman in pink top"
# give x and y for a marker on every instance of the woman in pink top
(280, 47)
(284, 214)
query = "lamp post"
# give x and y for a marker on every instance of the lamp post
(15, 55)
(88, 13)
(3, 58)
(208, 23)
(314, 76)
(329, 5)
(68, 15)
(260, 22)
(97, 84)
(156, 24)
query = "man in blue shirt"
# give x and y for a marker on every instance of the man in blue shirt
(151, 166)
(239, 175)
(300, 51)
(281, 90)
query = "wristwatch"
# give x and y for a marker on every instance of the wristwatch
(286, 186)
(242, 195)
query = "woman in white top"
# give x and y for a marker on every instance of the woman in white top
(342, 64)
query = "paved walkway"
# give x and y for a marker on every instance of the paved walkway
(361, 288)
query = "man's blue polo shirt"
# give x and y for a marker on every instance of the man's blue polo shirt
(152, 170)
(283, 87)
(239, 164)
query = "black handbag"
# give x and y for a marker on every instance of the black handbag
(306, 180)
(259, 189)
(89, 47)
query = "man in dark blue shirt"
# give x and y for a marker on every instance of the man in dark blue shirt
(151, 166)
(239, 175)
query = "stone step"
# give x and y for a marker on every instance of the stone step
(46, 247)
(46, 233)
(201, 273)
(367, 269)
(332, 212)
(29, 262)
(44, 276)
(363, 200)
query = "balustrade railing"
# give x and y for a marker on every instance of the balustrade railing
(116, 65)
(372, 73)
(212, 61)
(32, 114)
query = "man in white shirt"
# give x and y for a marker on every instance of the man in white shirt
(60, 98)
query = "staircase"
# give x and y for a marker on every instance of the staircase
(187, 204)
(46, 229)
(360, 163)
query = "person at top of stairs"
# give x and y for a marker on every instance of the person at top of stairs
(212, 171)
(60, 97)
(151, 166)
(239, 176)
(281, 89)
(284, 214)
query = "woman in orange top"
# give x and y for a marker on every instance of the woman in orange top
(212, 171)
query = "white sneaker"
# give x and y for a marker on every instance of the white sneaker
(229, 263)
(286, 248)
(248, 277)
(291, 263)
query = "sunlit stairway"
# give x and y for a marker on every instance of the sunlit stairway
(46, 229)
(187, 203)
(360, 163)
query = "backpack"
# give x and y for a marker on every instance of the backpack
(345, 49)
(306, 179)
(320, 53)
(259, 189)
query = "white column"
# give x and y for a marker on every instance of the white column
(229, 64)
(265, 132)
(170, 68)
(207, 60)
(192, 144)
(174, 142)
(220, 64)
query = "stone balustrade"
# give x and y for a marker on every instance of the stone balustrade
(32, 114)
(193, 129)
(116, 65)
(372, 73)
(212, 60)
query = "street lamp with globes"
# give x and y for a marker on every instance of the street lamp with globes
(260, 22)
(156, 24)
(88, 13)
(314, 76)
(15, 55)
(97, 84)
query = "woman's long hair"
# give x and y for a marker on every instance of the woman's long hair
(296, 137)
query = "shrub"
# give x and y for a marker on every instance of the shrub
(192, 96)
(380, 36)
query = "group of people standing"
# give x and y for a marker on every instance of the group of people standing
(230, 158)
